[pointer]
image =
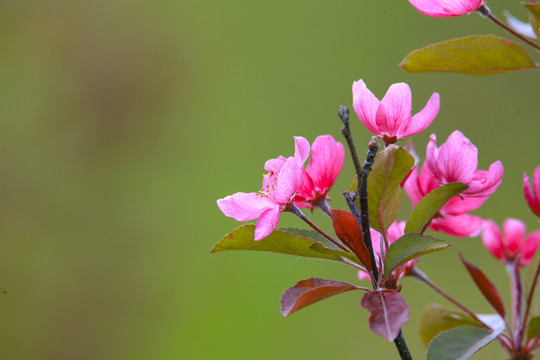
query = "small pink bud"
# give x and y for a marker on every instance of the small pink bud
(532, 194)
(512, 243)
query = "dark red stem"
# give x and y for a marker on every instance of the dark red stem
(484, 10)
(296, 211)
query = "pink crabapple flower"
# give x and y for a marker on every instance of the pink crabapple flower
(390, 118)
(512, 243)
(327, 156)
(279, 187)
(446, 8)
(395, 231)
(457, 161)
(452, 218)
(532, 194)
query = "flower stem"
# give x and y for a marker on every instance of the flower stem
(401, 346)
(423, 277)
(362, 173)
(484, 11)
(517, 302)
(296, 211)
(531, 295)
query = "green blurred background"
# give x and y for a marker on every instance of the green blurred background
(123, 121)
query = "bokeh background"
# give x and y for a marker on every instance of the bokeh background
(123, 121)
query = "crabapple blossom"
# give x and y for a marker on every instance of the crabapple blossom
(512, 243)
(457, 161)
(390, 118)
(532, 194)
(446, 8)
(395, 231)
(277, 194)
(452, 218)
(327, 157)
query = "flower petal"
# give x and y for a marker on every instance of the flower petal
(529, 248)
(532, 199)
(458, 225)
(484, 182)
(267, 222)
(492, 239)
(432, 155)
(327, 158)
(462, 204)
(445, 8)
(514, 231)
(275, 164)
(421, 120)
(365, 105)
(289, 181)
(245, 206)
(394, 109)
(301, 150)
(458, 159)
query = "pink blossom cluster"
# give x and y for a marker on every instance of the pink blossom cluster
(455, 161)
(287, 183)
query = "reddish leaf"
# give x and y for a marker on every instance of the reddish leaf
(486, 287)
(389, 312)
(348, 231)
(310, 291)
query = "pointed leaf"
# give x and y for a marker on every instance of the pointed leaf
(460, 343)
(533, 329)
(534, 16)
(310, 291)
(436, 318)
(430, 205)
(411, 246)
(472, 55)
(486, 287)
(349, 232)
(279, 241)
(384, 192)
(389, 312)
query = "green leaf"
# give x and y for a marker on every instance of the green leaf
(461, 342)
(435, 318)
(279, 241)
(534, 16)
(430, 205)
(411, 246)
(309, 234)
(384, 192)
(472, 55)
(533, 329)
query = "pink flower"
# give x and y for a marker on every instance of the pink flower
(452, 218)
(513, 243)
(457, 161)
(446, 8)
(327, 157)
(390, 118)
(280, 185)
(395, 231)
(532, 195)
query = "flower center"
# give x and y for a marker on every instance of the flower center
(270, 181)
